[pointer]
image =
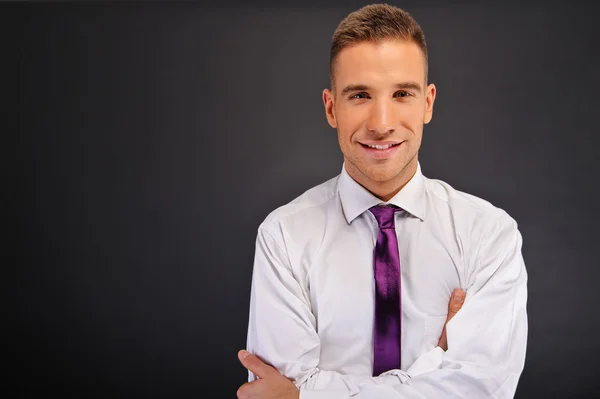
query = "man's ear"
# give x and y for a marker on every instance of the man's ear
(429, 100)
(328, 102)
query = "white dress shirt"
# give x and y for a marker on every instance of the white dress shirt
(312, 295)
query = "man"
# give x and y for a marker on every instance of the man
(351, 280)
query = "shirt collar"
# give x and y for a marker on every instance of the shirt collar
(356, 199)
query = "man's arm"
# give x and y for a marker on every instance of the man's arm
(487, 338)
(272, 384)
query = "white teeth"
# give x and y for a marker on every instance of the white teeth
(380, 147)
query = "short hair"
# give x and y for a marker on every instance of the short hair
(375, 23)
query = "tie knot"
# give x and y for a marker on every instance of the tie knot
(384, 215)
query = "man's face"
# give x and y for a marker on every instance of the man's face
(381, 99)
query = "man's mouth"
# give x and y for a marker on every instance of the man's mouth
(380, 146)
(381, 150)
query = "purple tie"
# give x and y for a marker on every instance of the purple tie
(387, 328)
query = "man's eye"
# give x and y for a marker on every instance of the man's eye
(359, 96)
(402, 94)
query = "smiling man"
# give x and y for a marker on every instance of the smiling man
(351, 280)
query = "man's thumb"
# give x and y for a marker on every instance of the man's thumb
(254, 364)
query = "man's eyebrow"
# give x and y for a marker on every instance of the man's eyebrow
(351, 88)
(409, 86)
(404, 85)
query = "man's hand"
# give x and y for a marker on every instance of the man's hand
(270, 385)
(456, 301)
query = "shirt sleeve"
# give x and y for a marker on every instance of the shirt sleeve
(486, 338)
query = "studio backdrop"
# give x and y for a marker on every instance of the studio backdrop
(152, 138)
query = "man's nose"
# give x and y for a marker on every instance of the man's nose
(381, 118)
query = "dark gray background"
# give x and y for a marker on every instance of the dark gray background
(151, 139)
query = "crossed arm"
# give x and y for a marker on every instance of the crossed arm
(272, 384)
(484, 358)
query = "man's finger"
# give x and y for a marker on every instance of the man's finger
(255, 365)
(456, 301)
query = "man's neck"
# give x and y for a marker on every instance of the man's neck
(384, 190)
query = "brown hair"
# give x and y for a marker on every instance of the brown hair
(375, 23)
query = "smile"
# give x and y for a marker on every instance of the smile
(380, 147)
(381, 151)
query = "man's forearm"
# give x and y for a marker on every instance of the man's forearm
(466, 381)
(325, 382)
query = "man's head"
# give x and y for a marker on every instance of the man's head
(379, 95)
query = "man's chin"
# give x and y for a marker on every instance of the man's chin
(380, 175)
(382, 178)
(375, 173)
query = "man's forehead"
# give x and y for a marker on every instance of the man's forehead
(389, 60)
(384, 53)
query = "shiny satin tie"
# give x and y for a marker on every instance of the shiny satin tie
(388, 306)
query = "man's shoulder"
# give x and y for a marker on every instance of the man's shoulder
(314, 199)
(467, 205)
